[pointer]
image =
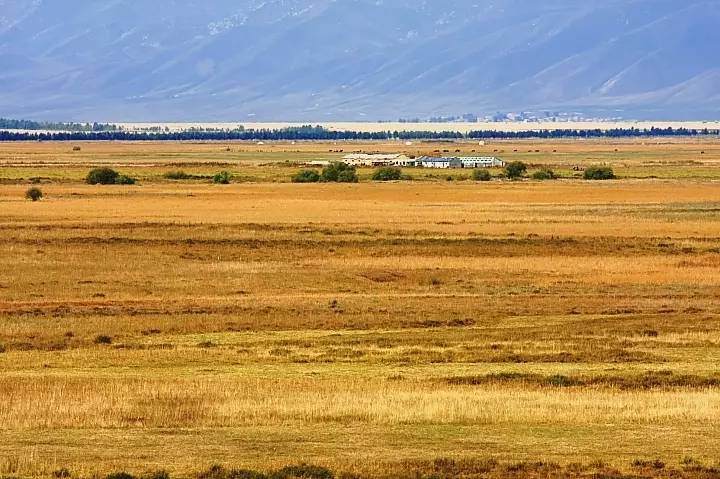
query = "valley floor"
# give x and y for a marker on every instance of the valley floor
(426, 327)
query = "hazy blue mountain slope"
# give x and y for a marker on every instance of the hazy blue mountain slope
(356, 59)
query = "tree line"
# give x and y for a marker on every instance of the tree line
(9, 124)
(320, 133)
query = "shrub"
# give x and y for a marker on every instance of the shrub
(515, 169)
(2, 349)
(544, 174)
(339, 173)
(645, 464)
(119, 475)
(61, 473)
(103, 339)
(245, 474)
(599, 173)
(177, 175)
(215, 472)
(124, 180)
(306, 176)
(222, 178)
(162, 474)
(102, 176)
(481, 175)
(304, 471)
(34, 194)
(219, 472)
(387, 173)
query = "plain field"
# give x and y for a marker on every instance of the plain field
(369, 328)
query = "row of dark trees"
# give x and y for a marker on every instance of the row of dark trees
(10, 124)
(319, 133)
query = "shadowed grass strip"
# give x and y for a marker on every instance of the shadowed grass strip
(645, 381)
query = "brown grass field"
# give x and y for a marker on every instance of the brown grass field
(429, 328)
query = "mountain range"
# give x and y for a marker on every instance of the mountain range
(330, 60)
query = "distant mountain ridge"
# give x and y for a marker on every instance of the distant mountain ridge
(324, 60)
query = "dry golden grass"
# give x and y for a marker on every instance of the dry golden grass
(364, 327)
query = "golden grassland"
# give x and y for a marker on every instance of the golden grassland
(412, 329)
(277, 161)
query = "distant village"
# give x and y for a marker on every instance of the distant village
(400, 160)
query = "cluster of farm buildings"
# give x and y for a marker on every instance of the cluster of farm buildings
(377, 160)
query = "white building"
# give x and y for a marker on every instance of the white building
(364, 159)
(461, 162)
(437, 162)
(481, 162)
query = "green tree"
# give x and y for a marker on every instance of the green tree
(515, 169)
(481, 175)
(222, 178)
(306, 176)
(544, 174)
(102, 176)
(387, 173)
(599, 173)
(339, 173)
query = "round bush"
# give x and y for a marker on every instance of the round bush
(339, 173)
(102, 176)
(306, 176)
(481, 175)
(124, 180)
(387, 173)
(515, 169)
(599, 173)
(222, 178)
(544, 174)
(34, 194)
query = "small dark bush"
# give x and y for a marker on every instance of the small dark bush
(103, 339)
(102, 176)
(306, 176)
(599, 173)
(219, 472)
(544, 174)
(215, 472)
(124, 180)
(515, 169)
(61, 473)
(387, 173)
(162, 474)
(119, 475)
(34, 194)
(222, 178)
(481, 175)
(339, 173)
(245, 474)
(303, 471)
(76, 148)
(644, 464)
(177, 175)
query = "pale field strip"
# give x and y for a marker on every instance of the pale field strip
(85, 403)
